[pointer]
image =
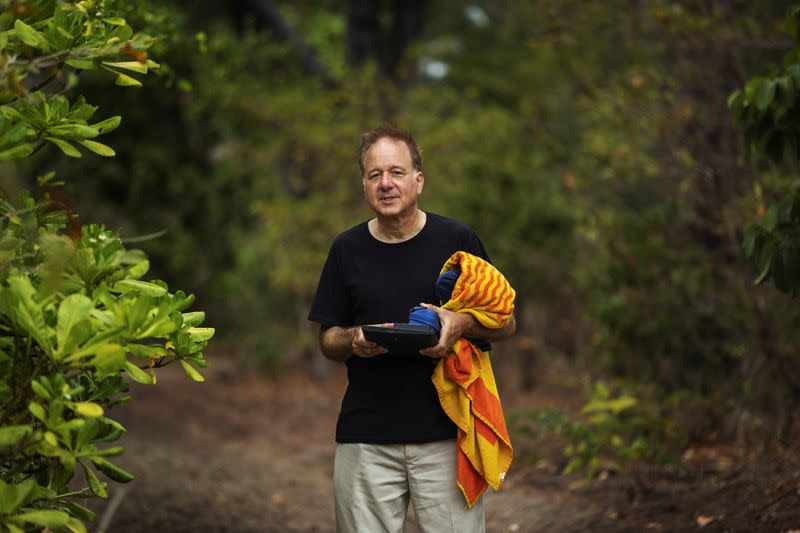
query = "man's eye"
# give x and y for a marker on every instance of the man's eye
(398, 173)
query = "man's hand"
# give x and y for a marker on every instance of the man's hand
(364, 348)
(339, 344)
(457, 325)
(453, 327)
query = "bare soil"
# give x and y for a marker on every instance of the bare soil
(250, 452)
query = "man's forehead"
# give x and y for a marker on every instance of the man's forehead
(387, 150)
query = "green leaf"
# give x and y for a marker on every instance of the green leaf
(115, 21)
(65, 146)
(599, 418)
(37, 410)
(146, 352)
(10, 435)
(78, 510)
(17, 134)
(126, 81)
(734, 98)
(82, 64)
(59, 106)
(765, 271)
(107, 125)
(30, 36)
(75, 526)
(112, 471)
(17, 152)
(88, 409)
(111, 430)
(574, 464)
(73, 311)
(40, 390)
(200, 334)
(97, 488)
(144, 287)
(139, 269)
(69, 425)
(133, 66)
(194, 318)
(620, 404)
(108, 359)
(137, 374)
(27, 311)
(45, 178)
(191, 372)
(108, 452)
(601, 392)
(73, 131)
(766, 92)
(46, 518)
(99, 148)
(771, 218)
(51, 439)
(14, 495)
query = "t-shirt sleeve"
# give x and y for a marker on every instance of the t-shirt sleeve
(331, 305)
(474, 246)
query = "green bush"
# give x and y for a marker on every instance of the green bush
(768, 110)
(611, 432)
(75, 315)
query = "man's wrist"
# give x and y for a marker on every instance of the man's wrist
(352, 333)
(472, 328)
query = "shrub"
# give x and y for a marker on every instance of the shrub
(75, 314)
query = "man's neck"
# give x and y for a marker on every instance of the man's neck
(397, 230)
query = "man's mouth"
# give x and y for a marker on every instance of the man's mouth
(388, 198)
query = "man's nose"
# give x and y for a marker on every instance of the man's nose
(386, 181)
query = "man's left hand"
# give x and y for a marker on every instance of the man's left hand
(453, 327)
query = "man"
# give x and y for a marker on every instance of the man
(394, 441)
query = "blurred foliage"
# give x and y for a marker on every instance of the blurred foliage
(75, 315)
(588, 143)
(768, 109)
(611, 432)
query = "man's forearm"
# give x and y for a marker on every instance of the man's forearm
(336, 342)
(479, 331)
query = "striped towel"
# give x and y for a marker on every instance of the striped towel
(465, 381)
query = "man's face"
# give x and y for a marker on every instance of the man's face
(391, 185)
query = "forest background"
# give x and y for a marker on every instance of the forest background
(590, 144)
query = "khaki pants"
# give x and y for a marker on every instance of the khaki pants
(374, 482)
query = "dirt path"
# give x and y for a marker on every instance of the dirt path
(248, 453)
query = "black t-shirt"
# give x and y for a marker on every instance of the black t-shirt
(390, 398)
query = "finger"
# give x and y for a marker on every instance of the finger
(434, 351)
(360, 340)
(370, 352)
(431, 307)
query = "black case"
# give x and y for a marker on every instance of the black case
(407, 339)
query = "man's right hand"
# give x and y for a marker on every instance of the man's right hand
(340, 344)
(364, 348)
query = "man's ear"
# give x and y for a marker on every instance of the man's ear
(420, 181)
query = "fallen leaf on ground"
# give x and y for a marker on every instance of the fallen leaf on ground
(704, 520)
